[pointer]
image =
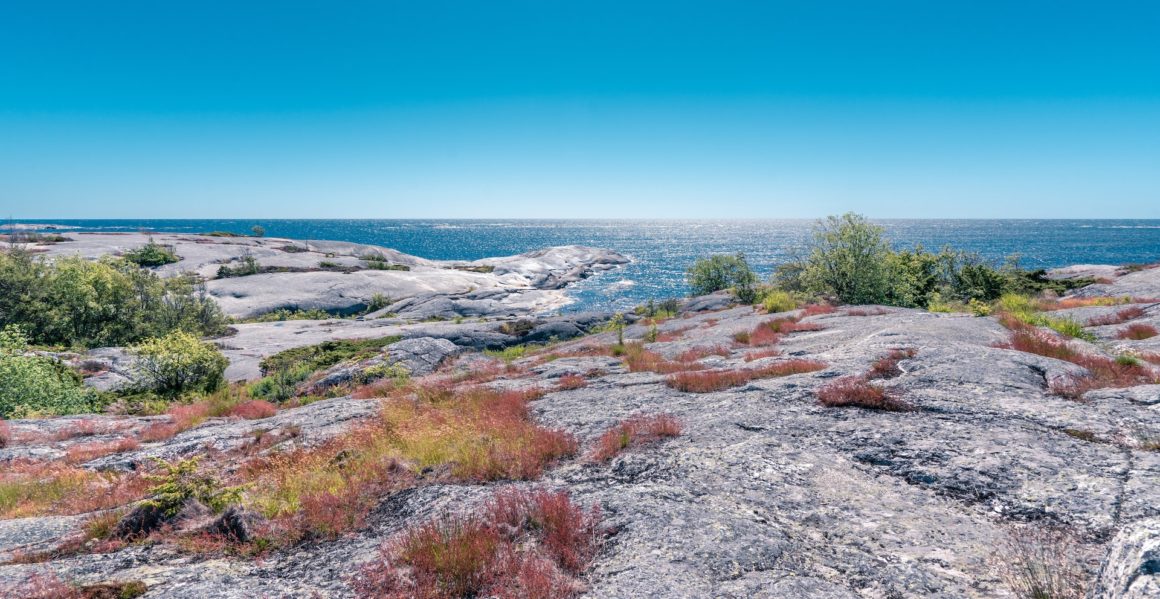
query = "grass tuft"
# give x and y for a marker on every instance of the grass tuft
(856, 391)
(635, 431)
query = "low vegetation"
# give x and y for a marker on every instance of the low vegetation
(887, 366)
(633, 432)
(1137, 332)
(152, 254)
(1042, 563)
(709, 381)
(857, 391)
(531, 544)
(1101, 371)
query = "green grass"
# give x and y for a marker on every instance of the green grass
(325, 354)
(509, 354)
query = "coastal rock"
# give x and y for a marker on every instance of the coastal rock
(344, 278)
(1132, 567)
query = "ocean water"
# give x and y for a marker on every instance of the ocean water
(661, 250)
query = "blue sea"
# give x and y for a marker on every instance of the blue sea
(663, 249)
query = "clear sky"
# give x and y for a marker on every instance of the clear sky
(547, 108)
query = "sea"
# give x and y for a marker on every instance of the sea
(661, 250)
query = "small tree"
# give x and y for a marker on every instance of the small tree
(720, 272)
(258, 230)
(179, 362)
(848, 258)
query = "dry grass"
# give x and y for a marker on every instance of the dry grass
(635, 431)
(817, 309)
(1137, 332)
(709, 381)
(56, 489)
(1102, 371)
(526, 544)
(887, 367)
(467, 434)
(866, 311)
(1119, 317)
(254, 409)
(696, 353)
(182, 417)
(85, 452)
(856, 391)
(1042, 564)
(763, 336)
(571, 381)
(639, 359)
(758, 354)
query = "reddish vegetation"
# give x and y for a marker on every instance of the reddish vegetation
(696, 353)
(708, 381)
(84, 452)
(49, 586)
(527, 544)
(84, 428)
(571, 381)
(182, 417)
(1120, 317)
(816, 309)
(635, 431)
(758, 354)
(666, 336)
(866, 311)
(254, 409)
(763, 336)
(887, 367)
(639, 359)
(1137, 332)
(858, 392)
(5, 434)
(58, 489)
(1102, 371)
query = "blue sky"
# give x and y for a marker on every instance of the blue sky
(579, 109)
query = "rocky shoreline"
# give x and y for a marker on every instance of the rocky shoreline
(767, 492)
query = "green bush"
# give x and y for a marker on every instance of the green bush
(185, 480)
(77, 302)
(179, 363)
(324, 355)
(720, 272)
(850, 259)
(776, 300)
(281, 385)
(249, 266)
(151, 254)
(32, 385)
(258, 231)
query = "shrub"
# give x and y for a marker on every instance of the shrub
(858, 392)
(249, 266)
(1137, 332)
(185, 480)
(524, 544)
(324, 355)
(280, 385)
(179, 363)
(778, 301)
(258, 231)
(151, 254)
(5, 434)
(75, 302)
(32, 385)
(720, 272)
(635, 431)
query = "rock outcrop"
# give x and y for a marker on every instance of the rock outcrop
(766, 493)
